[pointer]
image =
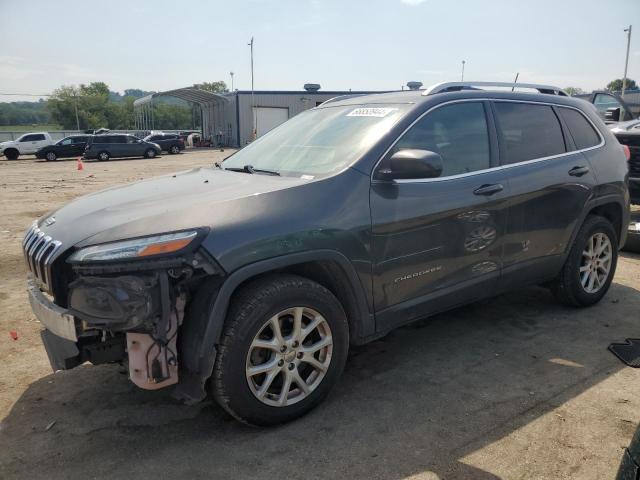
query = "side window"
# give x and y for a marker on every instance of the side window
(28, 138)
(77, 140)
(604, 101)
(38, 137)
(529, 131)
(131, 139)
(583, 133)
(458, 133)
(66, 141)
(119, 139)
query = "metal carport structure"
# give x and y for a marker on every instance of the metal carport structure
(212, 107)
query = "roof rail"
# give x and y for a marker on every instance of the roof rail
(342, 97)
(456, 86)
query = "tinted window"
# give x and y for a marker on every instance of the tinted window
(457, 132)
(32, 138)
(583, 133)
(66, 141)
(79, 139)
(529, 131)
(119, 139)
(102, 139)
(131, 139)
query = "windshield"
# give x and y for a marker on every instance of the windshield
(320, 141)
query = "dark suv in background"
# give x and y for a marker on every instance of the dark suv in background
(169, 142)
(104, 147)
(68, 147)
(250, 279)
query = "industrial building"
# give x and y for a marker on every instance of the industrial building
(229, 119)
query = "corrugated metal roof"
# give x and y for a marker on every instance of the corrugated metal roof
(189, 94)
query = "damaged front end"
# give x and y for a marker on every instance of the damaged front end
(106, 304)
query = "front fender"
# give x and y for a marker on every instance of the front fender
(204, 326)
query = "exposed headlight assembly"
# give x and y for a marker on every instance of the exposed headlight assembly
(137, 248)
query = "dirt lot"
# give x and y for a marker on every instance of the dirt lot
(513, 387)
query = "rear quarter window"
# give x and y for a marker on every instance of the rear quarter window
(583, 133)
(529, 131)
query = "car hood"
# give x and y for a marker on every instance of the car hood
(180, 201)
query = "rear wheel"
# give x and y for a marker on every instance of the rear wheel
(283, 348)
(174, 149)
(589, 269)
(51, 157)
(150, 153)
(103, 156)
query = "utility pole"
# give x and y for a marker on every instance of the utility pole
(462, 76)
(253, 105)
(231, 73)
(75, 103)
(626, 61)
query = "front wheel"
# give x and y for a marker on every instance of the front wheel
(51, 157)
(151, 153)
(589, 269)
(283, 348)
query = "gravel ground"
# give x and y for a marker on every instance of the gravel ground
(512, 387)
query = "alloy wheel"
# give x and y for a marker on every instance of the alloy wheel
(289, 356)
(596, 262)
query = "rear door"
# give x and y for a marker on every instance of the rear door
(438, 242)
(550, 182)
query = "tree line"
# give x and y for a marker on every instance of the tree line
(95, 106)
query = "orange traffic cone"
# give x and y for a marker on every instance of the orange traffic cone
(80, 164)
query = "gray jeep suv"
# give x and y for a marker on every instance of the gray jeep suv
(249, 280)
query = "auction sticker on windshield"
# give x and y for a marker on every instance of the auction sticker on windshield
(371, 112)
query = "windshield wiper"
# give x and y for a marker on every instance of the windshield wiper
(250, 169)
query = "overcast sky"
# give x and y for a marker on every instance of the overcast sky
(341, 44)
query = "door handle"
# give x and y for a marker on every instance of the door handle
(578, 171)
(488, 189)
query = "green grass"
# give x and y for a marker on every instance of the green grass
(29, 128)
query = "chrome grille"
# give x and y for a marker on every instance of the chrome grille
(39, 251)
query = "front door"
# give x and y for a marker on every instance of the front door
(438, 242)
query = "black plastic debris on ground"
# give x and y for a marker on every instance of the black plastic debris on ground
(628, 352)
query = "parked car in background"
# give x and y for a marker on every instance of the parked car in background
(251, 279)
(169, 142)
(69, 147)
(104, 147)
(628, 134)
(610, 106)
(27, 144)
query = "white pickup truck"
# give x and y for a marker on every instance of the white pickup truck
(27, 144)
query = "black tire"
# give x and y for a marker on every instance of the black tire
(174, 149)
(567, 286)
(11, 154)
(150, 153)
(251, 307)
(103, 156)
(51, 157)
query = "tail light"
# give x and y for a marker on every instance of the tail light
(627, 152)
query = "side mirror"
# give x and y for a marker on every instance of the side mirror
(612, 114)
(412, 163)
(139, 141)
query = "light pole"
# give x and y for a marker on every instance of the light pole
(231, 73)
(255, 117)
(462, 76)
(626, 61)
